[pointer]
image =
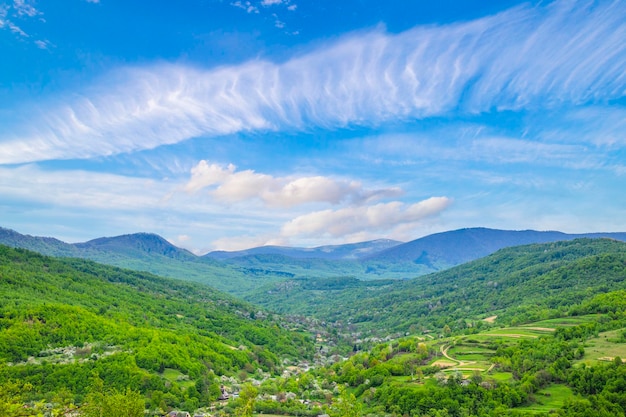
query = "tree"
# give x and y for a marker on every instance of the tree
(346, 405)
(104, 403)
(247, 398)
(11, 398)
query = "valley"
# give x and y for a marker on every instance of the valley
(535, 329)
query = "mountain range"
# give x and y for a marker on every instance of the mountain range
(348, 251)
(531, 281)
(242, 272)
(177, 344)
(459, 246)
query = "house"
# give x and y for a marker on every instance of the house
(224, 395)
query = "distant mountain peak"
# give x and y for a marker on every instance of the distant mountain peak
(149, 243)
(455, 247)
(331, 252)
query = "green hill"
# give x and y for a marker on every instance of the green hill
(147, 252)
(455, 247)
(522, 283)
(63, 320)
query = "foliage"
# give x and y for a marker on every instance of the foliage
(100, 403)
(520, 284)
(247, 399)
(61, 320)
(346, 405)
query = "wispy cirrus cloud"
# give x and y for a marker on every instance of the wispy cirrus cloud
(529, 57)
(25, 8)
(80, 189)
(589, 138)
(17, 12)
(228, 185)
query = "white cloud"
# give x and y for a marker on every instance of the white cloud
(181, 239)
(128, 204)
(564, 53)
(25, 8)
(15, 29)
(233, 243)
(228, 185)
(583, 138)
(272, 2)
(43, 44)
(20, 10)
(245, 5)
(383, 217)
(80, 189)
(279, 24)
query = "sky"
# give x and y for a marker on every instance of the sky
(225, 125)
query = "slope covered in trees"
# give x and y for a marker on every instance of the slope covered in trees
(65, 321)
(518, 284)
(241, 273)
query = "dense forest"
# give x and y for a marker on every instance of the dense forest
(64, 321)
(529, 330)
(519, 284)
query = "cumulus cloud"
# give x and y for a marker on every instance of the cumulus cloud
(566, 52)
(352, 220)
(228, 185)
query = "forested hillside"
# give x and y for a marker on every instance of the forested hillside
(455, 247)
(243, 273)
(529, 330)
(523, 283)
(146, 252)
(65, 321)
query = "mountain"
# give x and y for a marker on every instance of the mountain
(45, 245)
(143, 252)
(349, 251)
(64, 320)
(529, 282)
(455, 247)
(242, 273)
(137, 245)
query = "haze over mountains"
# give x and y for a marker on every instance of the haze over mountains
(348, 251)
(459, 246)
(516, 281)
(244, 271)
(177, 344)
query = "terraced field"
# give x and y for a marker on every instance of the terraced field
(473, 353)
(605, 347)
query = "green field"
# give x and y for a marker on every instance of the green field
(565, 321)
(470, 354)
(174, 375)
(604, 348)
(551, 398)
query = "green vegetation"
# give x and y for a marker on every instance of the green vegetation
(64, 320)
(520, 285)
(534, 330)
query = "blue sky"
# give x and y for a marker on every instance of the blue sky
(232, 124)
